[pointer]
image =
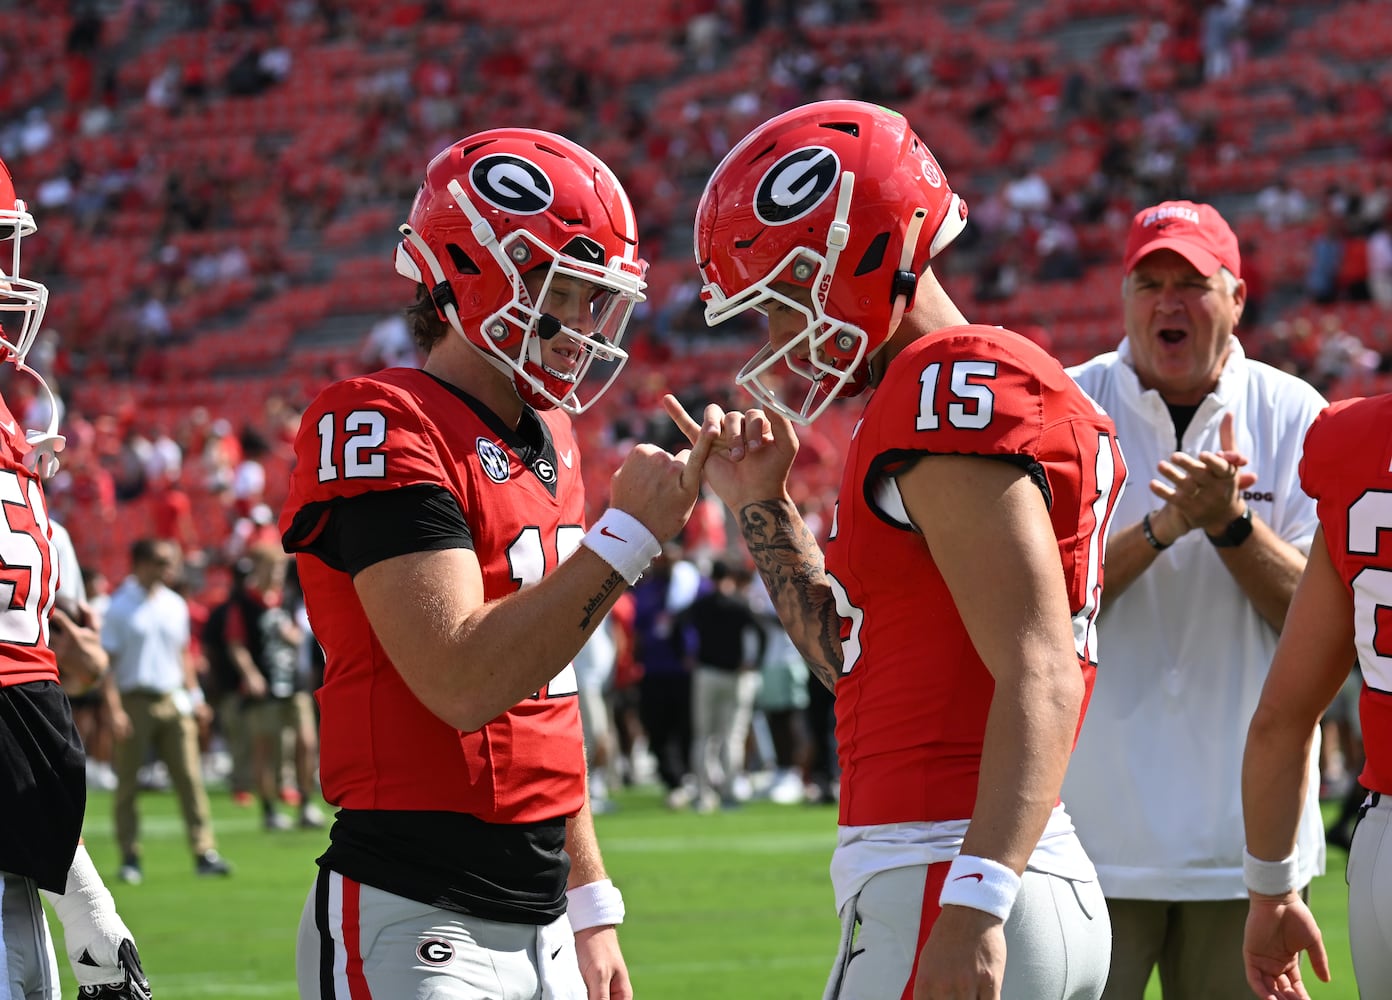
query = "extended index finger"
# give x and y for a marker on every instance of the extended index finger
(700, 451)
(689, 427)
(1225, 432)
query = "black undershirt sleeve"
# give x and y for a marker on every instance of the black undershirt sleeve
(369, 528)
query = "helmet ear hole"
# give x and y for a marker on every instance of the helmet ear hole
(463, 263)
(873, 256)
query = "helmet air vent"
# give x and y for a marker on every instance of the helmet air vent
(462, 262)
(874, 255)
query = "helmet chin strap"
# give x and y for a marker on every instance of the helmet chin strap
(446, 303)
(45, 444)
(839, 232)
(906, 254)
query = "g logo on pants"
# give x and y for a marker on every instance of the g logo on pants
(435, 952)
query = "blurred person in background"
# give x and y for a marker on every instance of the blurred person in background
(264, 641)
(156, 703)
(664, 689)
(783, 700)
(727, 646)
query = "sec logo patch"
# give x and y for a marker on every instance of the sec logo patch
(493, 458)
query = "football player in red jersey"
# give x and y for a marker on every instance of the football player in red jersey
(43, 789)
(952, 611)
(1341, 614)
(438, 517)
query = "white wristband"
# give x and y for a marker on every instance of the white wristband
(598, 904)
(621, 540)
(1270, 878)
(980, 883)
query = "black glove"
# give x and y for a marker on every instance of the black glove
(135, 986)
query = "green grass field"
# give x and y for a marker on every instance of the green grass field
(736, 904)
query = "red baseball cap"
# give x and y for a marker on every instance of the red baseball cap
(1193, 230)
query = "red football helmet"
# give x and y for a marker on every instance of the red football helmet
(22, 305)
(500, 203)
(840, 198)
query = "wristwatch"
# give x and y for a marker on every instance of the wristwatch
(1235, 533)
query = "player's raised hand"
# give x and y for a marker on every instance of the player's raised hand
(751, 456)
(660, 489)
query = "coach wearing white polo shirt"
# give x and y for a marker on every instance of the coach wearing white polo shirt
(1200, 569)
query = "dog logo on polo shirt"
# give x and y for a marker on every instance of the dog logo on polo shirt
(436, 952)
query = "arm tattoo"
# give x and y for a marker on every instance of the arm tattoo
(790, 561)
(597, 600)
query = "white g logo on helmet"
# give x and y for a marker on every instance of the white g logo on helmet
(512, 184)
(796, 184)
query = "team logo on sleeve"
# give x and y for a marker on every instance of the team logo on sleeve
(796, 184)
(494, 460)
(512, 184)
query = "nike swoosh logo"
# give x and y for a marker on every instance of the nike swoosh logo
(618, 538)
(567, 458)
(556, 952)
(975, 875)
(9, 426)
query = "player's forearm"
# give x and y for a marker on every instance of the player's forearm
(509, 649)
(1275, 769)
(1311, 663)
(586, 863)
(1029, 737)
(790, 562)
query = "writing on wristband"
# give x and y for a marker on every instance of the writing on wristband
(621, 540)
(597, 904)
(1270, 878)
(981, 884)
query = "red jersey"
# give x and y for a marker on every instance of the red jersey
(912, 700)
(382, 749)
(28, 568)
(1347, 468)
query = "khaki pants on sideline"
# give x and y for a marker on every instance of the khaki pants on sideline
(156, 722)
(1196, 943)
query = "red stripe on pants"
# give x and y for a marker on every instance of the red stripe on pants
(932, 889)
(352, 943)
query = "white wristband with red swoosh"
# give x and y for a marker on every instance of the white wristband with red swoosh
(621, 540)
(980, 883)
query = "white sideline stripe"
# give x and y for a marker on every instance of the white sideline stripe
(98, 826)
(186, 985)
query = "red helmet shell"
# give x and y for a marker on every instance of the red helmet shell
(533, 198)
(841, 197)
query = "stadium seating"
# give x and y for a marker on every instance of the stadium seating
(264, 222)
